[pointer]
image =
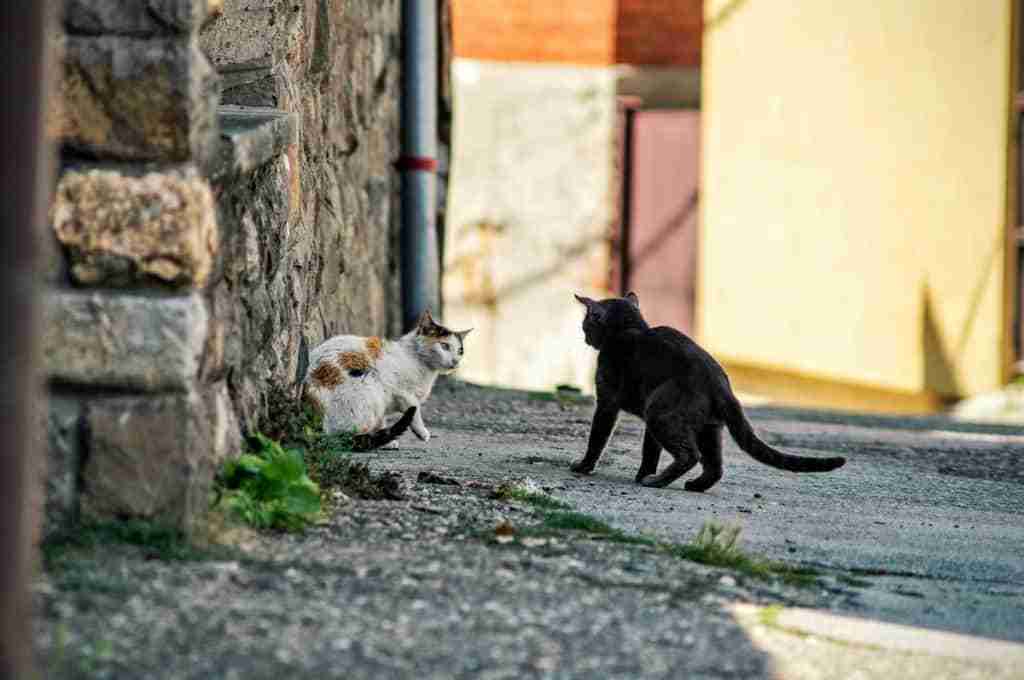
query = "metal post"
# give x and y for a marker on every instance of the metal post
(24, 177)
(420, 267)
(628, 106)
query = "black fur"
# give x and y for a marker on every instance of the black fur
(681, 393)
(373, 440)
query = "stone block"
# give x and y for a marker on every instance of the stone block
(138, 18)
(155, 457)
(123, 341)
(136, 99)
(63, 453)
(250, 138)
(119, 229)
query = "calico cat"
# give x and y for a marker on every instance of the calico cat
(681, 393)
(356, 382)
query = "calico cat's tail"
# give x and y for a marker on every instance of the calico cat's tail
(373, 440)
(743, 433)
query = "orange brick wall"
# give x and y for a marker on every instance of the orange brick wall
(659, 32)
(576, 31)
(599, 32)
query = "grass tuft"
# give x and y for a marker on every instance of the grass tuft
(717, 546)
(528, 492)
(159, 542)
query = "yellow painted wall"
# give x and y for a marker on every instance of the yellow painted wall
(854, 195)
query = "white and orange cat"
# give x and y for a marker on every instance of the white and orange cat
(357, 382)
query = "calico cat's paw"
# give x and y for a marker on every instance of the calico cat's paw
(421, 432)
(582, 466)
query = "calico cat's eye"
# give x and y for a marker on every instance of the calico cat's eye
(447, 346)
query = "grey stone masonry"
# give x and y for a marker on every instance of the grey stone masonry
(135, 342)
(138, 18)
(64, 426)
(136, 99)
(159, 228)
(154, 457)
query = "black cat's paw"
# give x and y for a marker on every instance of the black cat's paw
(696, 485)
(582, 467)
(653, 481)
(639, 479)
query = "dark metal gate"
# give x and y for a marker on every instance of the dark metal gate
(656, 253)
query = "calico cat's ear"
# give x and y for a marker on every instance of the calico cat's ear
(426, 322)
(462, 334)
(633, 299)
(585, 301)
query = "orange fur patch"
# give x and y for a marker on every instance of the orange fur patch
(354, 361)
(373, 347)
(327, 375)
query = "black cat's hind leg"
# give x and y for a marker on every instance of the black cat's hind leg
(678, 439)
(650, 456)
(709, 441)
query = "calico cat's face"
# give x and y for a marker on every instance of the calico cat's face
(608, 316)
(440, 347)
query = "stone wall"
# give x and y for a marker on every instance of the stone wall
(203, 246)
(328, 263)
(139, 413)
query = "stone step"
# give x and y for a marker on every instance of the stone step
(250, 137)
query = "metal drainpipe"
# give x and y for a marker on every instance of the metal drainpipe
(418, 164)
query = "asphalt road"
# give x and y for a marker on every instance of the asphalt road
(918, 538)
(928, 514)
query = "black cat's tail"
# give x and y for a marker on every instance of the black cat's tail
(373, 440)
(743, 433)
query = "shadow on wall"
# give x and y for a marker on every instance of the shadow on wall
(475, 269)
(941, 357)
(939, 374)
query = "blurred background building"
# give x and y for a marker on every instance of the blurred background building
(838, 223)
(539, 169)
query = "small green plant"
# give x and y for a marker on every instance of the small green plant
(269, 488)
(716, 546)
(528, 492)
(718, 542)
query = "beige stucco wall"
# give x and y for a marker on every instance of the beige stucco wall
(529, 215)
(855, 190)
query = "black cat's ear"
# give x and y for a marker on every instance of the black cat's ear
(633, 299)
(585, 301)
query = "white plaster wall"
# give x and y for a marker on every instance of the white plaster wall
(530, 213)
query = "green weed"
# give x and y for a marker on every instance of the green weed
(269, 487)
(526, 492)
(717, 546)
(714, 545)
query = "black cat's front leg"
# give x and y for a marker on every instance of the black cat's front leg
(651, 455)
(600, 430)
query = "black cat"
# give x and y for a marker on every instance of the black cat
(681, 393)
